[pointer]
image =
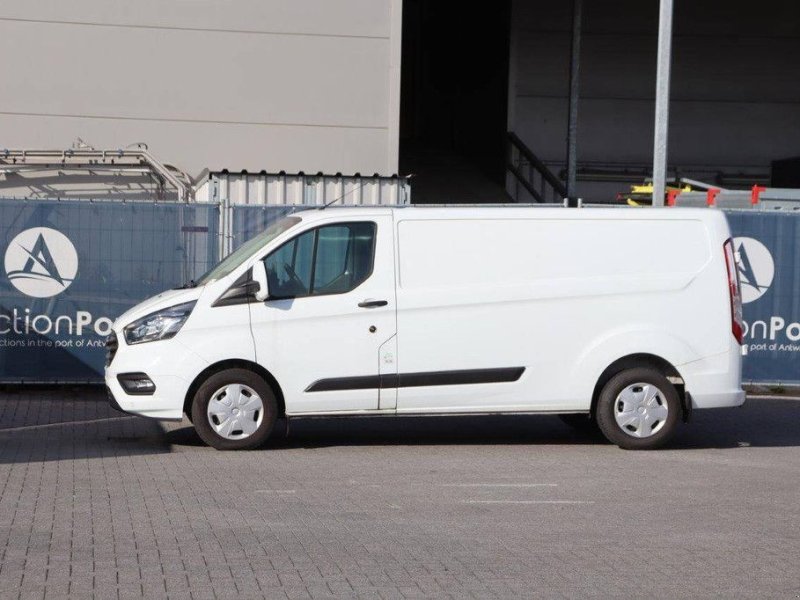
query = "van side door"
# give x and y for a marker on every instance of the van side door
(467, 333)
(331, 308)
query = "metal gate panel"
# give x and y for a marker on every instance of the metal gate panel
(769, 270)
(71, 267)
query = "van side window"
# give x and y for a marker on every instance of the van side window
(332, 259)
(289, 267)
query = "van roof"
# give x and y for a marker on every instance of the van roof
(518, 211)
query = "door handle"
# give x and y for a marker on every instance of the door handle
(372, 303)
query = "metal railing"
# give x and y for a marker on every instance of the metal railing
(532, 174)
(121, 160)
(760, 198)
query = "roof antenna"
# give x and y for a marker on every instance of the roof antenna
(360, 185)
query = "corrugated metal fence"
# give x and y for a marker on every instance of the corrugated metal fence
(266, 196)
(282, 189)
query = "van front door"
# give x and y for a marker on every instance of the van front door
(327, 330)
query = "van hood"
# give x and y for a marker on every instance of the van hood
(159, 302)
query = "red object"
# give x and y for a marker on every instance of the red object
(737, 321)
(671, 195)
(711, 196)
(755, 192)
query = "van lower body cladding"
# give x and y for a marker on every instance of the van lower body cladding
(715, 381)
(166, 402)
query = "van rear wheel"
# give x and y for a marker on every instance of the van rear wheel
(234, 409)
(638, 409)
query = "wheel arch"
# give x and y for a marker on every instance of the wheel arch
(643, 359)
(234, 364)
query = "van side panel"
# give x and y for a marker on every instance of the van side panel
(442, 253)
(560, 296)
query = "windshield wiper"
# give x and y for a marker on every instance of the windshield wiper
(189, 284)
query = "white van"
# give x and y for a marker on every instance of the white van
(629, 318)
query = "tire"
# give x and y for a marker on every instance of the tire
(638, 409)
(234, 409)
(579, 422)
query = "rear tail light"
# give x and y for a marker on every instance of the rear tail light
(735, 291)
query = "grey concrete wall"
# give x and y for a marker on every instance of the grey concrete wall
(735, 101)
(287, 85)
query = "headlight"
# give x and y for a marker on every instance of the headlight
(160, 325)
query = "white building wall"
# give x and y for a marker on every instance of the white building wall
(294, 85)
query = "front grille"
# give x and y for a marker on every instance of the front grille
(111, 347)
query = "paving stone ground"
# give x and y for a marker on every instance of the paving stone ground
(97, 504)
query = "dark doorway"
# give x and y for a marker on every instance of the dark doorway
(454, 99)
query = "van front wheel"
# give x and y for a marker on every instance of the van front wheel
(638, 409)
(234, 409)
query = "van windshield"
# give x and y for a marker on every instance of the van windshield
(245, 251)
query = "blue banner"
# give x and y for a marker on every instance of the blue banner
(71, 267)
(768, 256)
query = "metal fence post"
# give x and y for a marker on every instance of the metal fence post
(574, 83)
(662, 102)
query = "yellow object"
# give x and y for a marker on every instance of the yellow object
(645, 192)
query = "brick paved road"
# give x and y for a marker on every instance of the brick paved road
(95, 503)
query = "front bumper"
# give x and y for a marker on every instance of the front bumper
(113, 401)
(169, 364)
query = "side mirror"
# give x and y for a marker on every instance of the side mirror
(260, 277)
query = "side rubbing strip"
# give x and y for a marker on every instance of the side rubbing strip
(345, 383)
(432, 378)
